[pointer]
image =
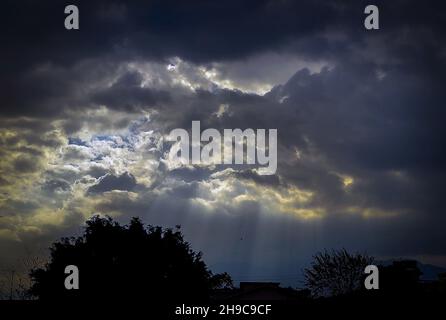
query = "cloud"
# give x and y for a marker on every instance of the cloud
(109, 182)
(56, 186)
(128, 94)
(25, 164)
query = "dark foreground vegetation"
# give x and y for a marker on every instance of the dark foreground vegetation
(155, 269)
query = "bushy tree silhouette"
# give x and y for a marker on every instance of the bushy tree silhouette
(126, 262)
(336, 273)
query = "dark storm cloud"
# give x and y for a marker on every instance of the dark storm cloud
(127, 94)
(54, 185)
(189, 174)
(47, 89)
(392, 123)
(379, 131)
(25, 164)
(41, 57)
(197, 30)
(10, 207)
(254, 176)
(109, 182)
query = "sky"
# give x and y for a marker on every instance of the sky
(359, 113)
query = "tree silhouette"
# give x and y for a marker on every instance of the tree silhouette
(401, 277)
(126, 262)
(336, 272)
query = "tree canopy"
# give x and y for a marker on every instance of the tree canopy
(336, 272)
(126, 262)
